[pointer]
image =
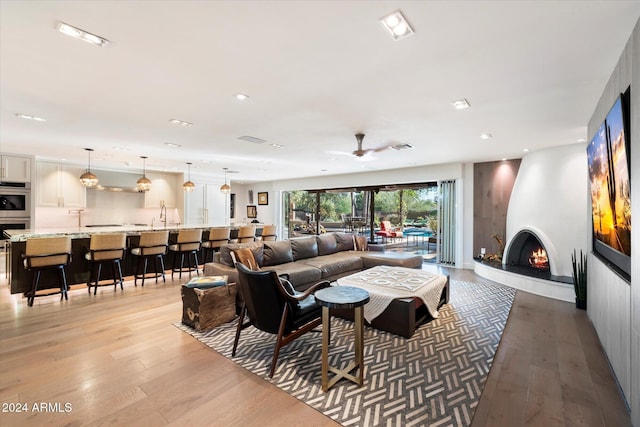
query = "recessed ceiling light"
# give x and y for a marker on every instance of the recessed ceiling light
(241, 96)
(486, 136)
(172, 145)
(120, 149)
(461, 104)
(581, 140)
(77, 33)
(397, 25)
(526, 150)
(30, 117)
(180, 122)
(277, 145)
(504, 159)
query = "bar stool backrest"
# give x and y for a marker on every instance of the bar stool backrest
(189, 240)
(59, 249)
(100, 243)
(269, 232)
(153, 242)
(219, 235)
(247, 233)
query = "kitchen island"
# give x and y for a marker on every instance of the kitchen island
(78, 270)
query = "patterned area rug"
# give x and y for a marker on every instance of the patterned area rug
(434, 378)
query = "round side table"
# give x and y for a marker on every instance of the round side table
(344, 297)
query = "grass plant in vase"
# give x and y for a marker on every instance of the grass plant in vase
(580, 279)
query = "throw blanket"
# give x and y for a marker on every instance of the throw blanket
(388, 283)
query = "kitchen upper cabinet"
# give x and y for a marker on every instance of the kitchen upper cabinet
(58, 185)
(163, 190)
(15, 168)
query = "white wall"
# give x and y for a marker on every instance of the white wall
(549, 198)
(612, 304)
(467, 216)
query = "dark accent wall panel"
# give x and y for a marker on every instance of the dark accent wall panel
(493, 183)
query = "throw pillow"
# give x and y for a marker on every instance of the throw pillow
(327, 244)
(360, 243)
(278, 252)
(345, 241)
(245, 257)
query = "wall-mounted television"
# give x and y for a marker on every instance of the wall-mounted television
(609, 175)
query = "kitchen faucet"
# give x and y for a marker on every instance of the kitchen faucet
(163, 214)
(79, 212)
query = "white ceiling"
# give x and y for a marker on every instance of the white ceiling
(317, 72)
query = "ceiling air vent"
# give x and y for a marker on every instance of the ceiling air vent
(252, 139)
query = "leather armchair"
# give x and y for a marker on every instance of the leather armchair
(273, 306)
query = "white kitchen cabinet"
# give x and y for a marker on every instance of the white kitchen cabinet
(58, 185)
(15, 168)
(163, 191)
(206, 206)
(194, 212)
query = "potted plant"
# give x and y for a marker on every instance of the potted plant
(580, 279)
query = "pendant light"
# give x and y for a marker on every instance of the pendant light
(88, 179)
(189, 186)
(144, 183)
(225, 188)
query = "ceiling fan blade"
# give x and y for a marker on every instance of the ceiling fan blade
(340, 153)
(379, 149)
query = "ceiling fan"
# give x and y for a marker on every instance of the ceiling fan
(360, 152)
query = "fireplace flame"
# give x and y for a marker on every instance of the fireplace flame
(538, 259)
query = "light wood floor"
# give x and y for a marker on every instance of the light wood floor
(117, 360)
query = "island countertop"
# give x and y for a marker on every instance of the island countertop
(86, 232)
(78, 270)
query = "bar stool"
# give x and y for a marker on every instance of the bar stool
(47, 253)
(106, 249)
(247, 233)
(153, 244)
(218, 237)
(188, 243)
(269, 232)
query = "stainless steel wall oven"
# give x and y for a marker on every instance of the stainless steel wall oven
(15, 200)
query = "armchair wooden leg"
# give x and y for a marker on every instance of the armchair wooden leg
(279, 343)
(243, 311)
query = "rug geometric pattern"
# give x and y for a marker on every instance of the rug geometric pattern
(435, 378)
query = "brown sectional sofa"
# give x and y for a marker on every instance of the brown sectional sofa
(310, 259)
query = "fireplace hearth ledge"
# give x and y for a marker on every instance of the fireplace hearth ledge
(546, 288)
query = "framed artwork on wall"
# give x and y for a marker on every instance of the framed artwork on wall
(263, 198)
(252, 211)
